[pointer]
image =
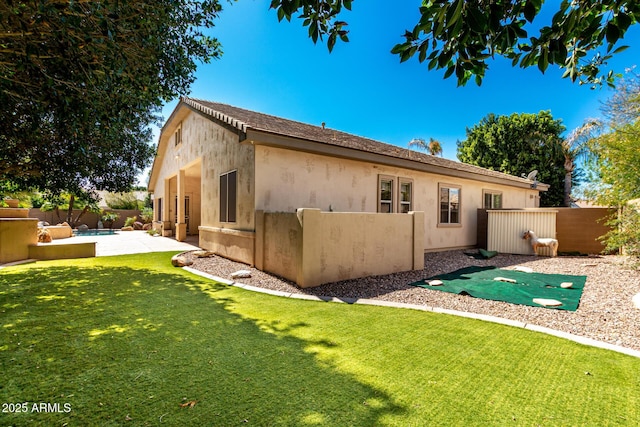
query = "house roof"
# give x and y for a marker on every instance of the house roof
(246, 121)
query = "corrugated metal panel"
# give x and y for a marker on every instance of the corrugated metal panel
(506, 227)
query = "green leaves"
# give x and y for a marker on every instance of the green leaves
(87, 80)
(615, 144)
(321, 18)
(453, 34)
(460, 36)
(612, 33)
(517, 144)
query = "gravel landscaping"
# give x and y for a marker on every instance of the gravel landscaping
(606, 312)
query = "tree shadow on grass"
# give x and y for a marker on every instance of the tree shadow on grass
(120, 344)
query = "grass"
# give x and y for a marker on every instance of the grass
(128, 340)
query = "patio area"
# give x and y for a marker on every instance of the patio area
(133, 242)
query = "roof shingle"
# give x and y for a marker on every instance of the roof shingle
(243, 120)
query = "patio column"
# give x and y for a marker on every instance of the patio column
(166, 208)
(181, 225)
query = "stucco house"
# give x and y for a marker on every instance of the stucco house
(218, 168)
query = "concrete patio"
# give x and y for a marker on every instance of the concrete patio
(133, 242)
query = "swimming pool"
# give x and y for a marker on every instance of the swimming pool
(95, 232)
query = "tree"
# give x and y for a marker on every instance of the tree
(614, 164)
(433, 147)
(127, 201)
(67, 203)
(575, 147)
(614, 143)
(460, 36)
(82, 81)
(518, 144)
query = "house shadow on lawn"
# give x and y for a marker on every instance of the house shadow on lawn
(121, 344)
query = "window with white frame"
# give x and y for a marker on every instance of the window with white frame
(492, 200)
(406, 195)
(228, 196)
(385, 194)
(449, 204)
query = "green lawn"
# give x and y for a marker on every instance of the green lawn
(127, 340)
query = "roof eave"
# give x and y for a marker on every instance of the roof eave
(176, 116)
(259, 137)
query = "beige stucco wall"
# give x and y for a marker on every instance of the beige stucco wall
(341, 246)
(237, 245)
(207, 150)
(287, 180)
(283, 180)
(59, 231)
(14, 213)
(16, 235)
(311, 247)
(46, 251)
(278, 243)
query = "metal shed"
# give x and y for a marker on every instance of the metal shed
(506, 227)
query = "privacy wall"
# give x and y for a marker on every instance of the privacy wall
(311, 247)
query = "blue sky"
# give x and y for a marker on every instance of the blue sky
(361, 88)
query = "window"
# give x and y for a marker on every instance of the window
(159, 209)
(388, 201)
(406, 196)
(178, 135)
(449, 205)
(492, 200)
(228, 196)
(385, 194)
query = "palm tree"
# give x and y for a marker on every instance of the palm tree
(433, 147)
(575, 146)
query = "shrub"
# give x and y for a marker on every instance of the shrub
(108, 218)
(125, 201)
(625, 235)
(130, 220)
(147, 215)
(37, 200)
(148, 203)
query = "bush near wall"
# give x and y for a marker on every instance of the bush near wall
(123, 201)
(90, 219)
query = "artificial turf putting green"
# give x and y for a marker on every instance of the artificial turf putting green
(128, 340)
(526, 288)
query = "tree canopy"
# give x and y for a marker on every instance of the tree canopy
(518, 144)
(614, 144)
(82, 81)
(614, 163)
(460, 36)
